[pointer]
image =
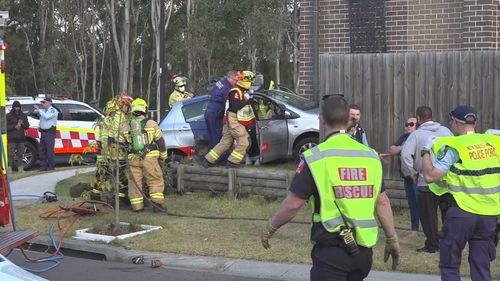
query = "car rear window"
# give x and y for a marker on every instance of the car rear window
(194, 112)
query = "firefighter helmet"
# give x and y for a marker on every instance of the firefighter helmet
(139, 105)
(245, 79)
(179, 81)
(126, 100)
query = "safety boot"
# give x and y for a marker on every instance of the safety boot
(203, 162)
(158, 208)
(230, 164)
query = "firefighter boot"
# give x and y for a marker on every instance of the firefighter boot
(158, 208)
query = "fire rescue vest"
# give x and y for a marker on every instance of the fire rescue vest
(474, 181)
(350, 174)
(245, 115)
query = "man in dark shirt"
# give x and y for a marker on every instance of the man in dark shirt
(17, 123)
(233, 129)
(330, 255)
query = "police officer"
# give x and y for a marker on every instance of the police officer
(342, 179)
(233, 129)
(214, 114)
(149, 151)
(179, 93)
(467, 173)
(47, 128)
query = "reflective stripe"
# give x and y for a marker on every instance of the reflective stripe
(96, 191)
(317, 154)
(487, 171)
(474, 190)
(237, 155)
(355, 223)
(135, 201)
(157, 195)
(214, 154)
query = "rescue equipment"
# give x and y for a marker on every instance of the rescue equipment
(136, 131)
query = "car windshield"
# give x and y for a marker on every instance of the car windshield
(291, 99)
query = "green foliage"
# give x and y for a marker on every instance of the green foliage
(50, 43)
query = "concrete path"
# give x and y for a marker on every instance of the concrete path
(38, 184)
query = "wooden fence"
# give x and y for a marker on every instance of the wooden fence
(389, 87)
(237, 181)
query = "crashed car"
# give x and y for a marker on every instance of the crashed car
(290, 126)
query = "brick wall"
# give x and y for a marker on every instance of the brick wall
(411, 25)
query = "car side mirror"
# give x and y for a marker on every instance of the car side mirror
(291, 115)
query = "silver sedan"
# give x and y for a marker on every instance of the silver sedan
(289, 126)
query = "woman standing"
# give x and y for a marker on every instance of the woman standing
(410, 188)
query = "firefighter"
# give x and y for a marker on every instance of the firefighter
(233, 130)
(342, 180)
(466, 174)
(149, 153)
(179, 93)
(114, 142)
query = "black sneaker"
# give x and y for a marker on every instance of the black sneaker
(427, 250)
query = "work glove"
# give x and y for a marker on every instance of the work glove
(266, 235)
(392, 249)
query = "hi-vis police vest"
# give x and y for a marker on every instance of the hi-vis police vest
(474, 181)
(350, 174)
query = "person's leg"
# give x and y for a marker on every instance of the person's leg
(42, 151)
(11, 152)
(240, 134)
(135, 185)
(51, 159)
(411, 196)
(20, 147)
(457, 230)
(154, 179)
(482, 250)
(428, 218)
(329, 264)
(225, 143)
(214, 133)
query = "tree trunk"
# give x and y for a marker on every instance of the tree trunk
(190, 10)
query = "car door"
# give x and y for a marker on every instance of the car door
(272, 131)
(191, 124)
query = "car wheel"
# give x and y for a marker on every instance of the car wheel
(30, 155)
(302, 146)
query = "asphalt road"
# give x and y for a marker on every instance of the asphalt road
(77, 269)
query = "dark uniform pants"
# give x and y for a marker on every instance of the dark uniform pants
(462, 227)
(214, 120)
(335, 264)
(428, 204)
(46, 151)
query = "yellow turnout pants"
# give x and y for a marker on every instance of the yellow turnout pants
(232, 131)
(151, 170)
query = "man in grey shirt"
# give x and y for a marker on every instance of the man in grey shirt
(411, 165)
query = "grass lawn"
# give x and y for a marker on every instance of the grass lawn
(235, 238)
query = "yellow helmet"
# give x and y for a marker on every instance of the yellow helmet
(245, 79)
(179, 81)
(139, 105)
(111, 106)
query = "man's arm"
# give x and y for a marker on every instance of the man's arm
(438, 169)
(288, 210)
(395, 149)
(51, 113)
(364, 139)
(407, 154)
(384, 215)
(26, 123)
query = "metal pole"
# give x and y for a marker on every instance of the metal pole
(163, 70)
(315, 61)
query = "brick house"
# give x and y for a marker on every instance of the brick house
(370, 26)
